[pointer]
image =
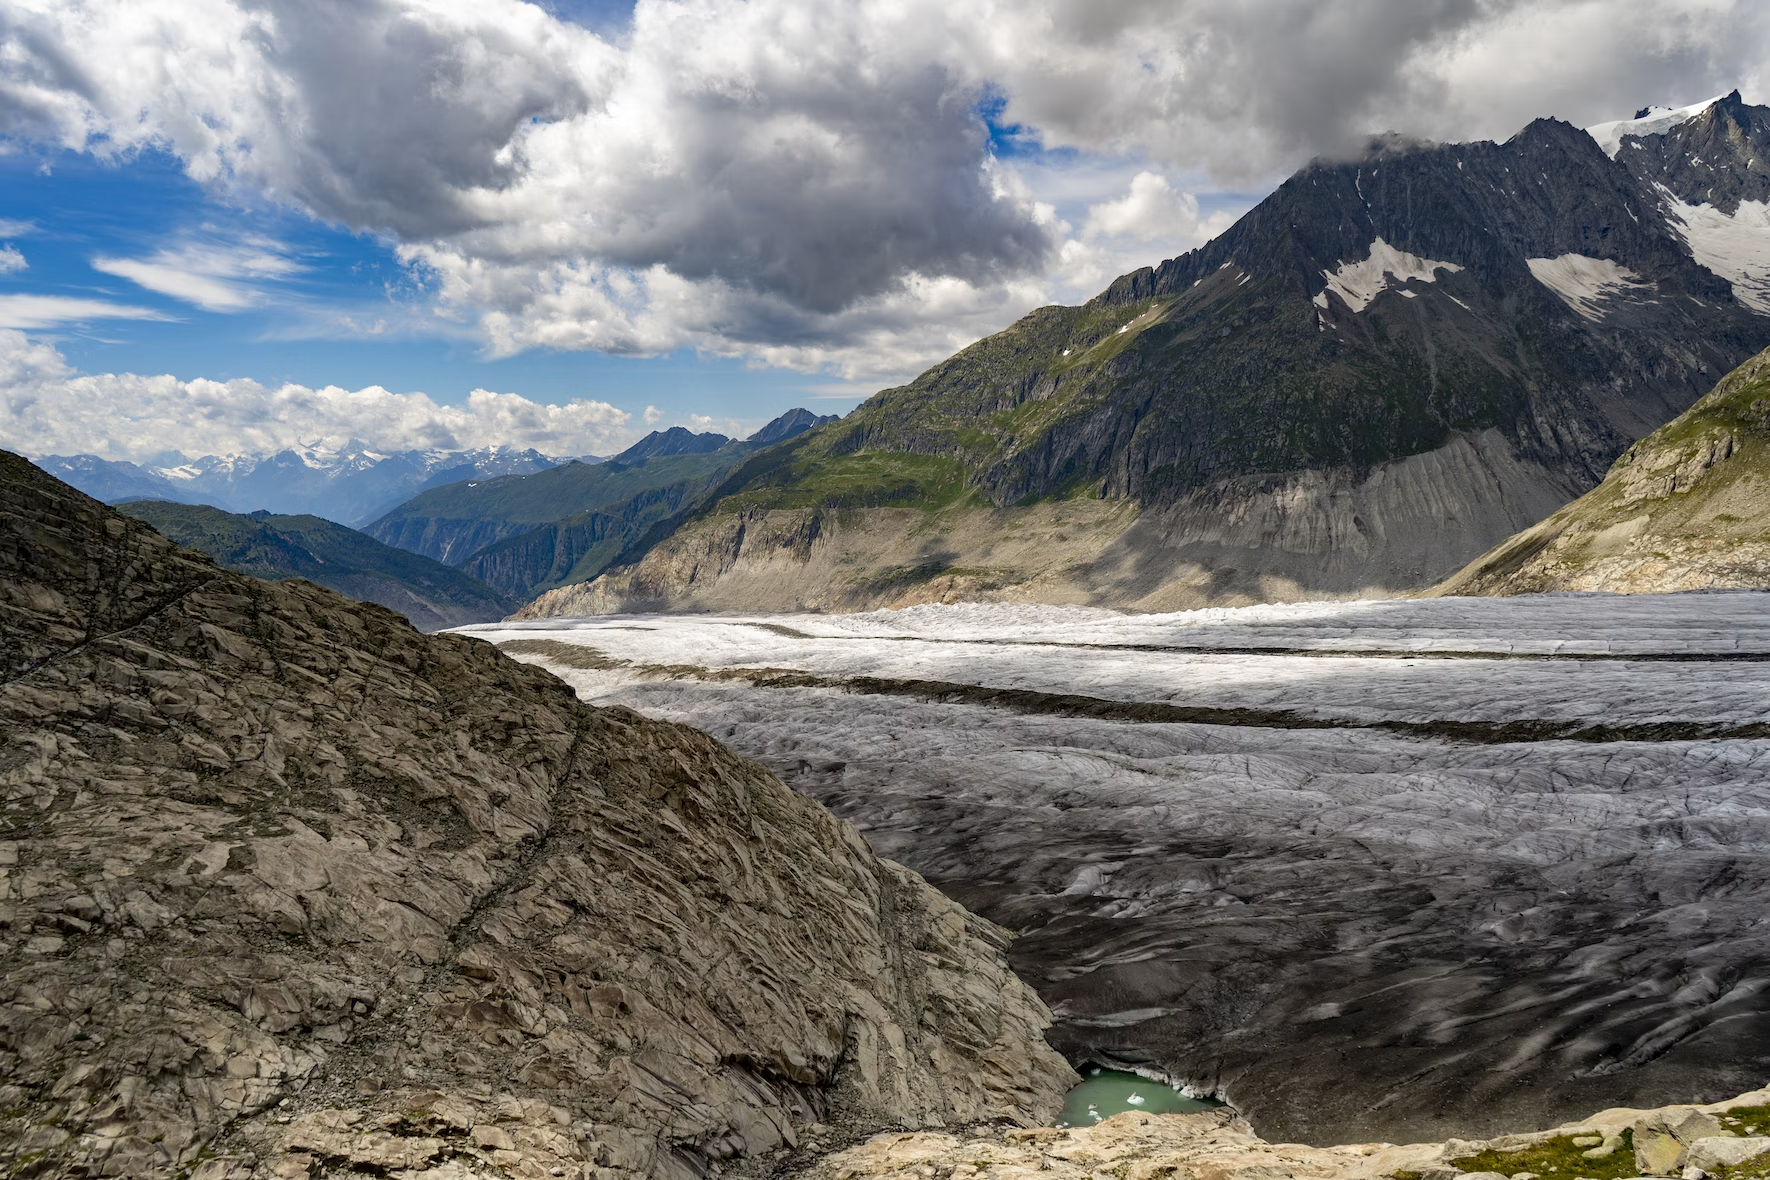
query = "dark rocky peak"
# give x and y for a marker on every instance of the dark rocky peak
(1483, 208)
(791, 424)
(678, 440)
(1720, 157)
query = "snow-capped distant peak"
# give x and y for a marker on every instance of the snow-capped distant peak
(1653, 121)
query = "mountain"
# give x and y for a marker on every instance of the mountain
(456, 521)
(790, 425)
(351, 484)
(109, 480)
(292, 889)
(1686, 508)
(1387, 366)
(526, 534)
(275, 548)
(678, 440)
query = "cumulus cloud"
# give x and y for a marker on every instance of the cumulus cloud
(214, 276)
(46, 408)
(801, 182)
(11, 261)
(1152, 220)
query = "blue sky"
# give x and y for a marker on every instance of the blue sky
(79, 208)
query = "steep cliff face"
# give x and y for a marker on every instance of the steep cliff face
(287, 887)
(1686, 508)
(1537, 300)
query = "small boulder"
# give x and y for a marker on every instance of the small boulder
(1657, 1152)
(1695, 1125)
(1725, 1151)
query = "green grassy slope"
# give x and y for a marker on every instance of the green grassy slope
(279, 547)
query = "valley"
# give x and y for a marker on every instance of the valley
(1369, 871)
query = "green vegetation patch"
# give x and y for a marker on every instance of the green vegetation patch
(1560, 1156)
(866, 479)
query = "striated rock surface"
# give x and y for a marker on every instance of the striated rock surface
(1220, 1146)
(289, 889)
(1683, 509)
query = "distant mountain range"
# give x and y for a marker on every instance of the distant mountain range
(1386, 367)
(524, 534)
(276, 548)
(1686, 508)
(352, 484)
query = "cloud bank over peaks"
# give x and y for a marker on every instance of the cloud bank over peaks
(811, 183)
(47, 408)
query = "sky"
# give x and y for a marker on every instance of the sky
(235, 225)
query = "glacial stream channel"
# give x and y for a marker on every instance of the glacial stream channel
(1106, 1092)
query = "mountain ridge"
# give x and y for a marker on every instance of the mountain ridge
(1485, 326)
(349, 484)
(278, 547)
(525, 534)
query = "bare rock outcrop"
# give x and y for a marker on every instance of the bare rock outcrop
(290, 889)
(1715, 1140)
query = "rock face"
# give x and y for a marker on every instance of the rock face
(287, 888)
(1219, 1146)
(1490, 323)
(1683, 509)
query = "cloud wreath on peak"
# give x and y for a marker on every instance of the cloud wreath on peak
(47, 408)
(803, 182)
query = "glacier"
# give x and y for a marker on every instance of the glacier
(1427, 862)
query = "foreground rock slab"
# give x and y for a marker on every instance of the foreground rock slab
(1219, 1145)
(289, 889)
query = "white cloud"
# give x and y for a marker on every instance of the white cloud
(13, 228)
(1151, 222)
(653, 415)
(215, 277)
(47, 311)
(46, 407)
(11, 261)
(801, 182)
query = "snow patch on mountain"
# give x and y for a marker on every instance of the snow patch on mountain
(1360, 282)
(1653, 121)
(1584, 284)
(1735, 247)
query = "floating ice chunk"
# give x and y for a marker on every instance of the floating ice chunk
(1360, 282)
(1657, 121)
(1584, 284)
(1135, 1099)
(1736, 247)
